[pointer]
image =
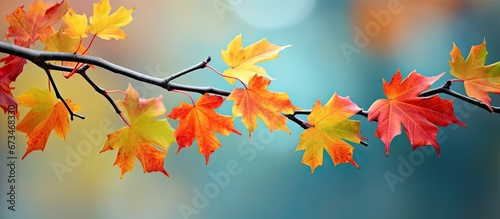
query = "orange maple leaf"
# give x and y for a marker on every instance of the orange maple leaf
(145, 136)
(478, 78)
(46, 114)
(108, 26)
(36, 23)
(419, 115)
(201, 121)
(329, 126)
(242, 61)
(257, 101)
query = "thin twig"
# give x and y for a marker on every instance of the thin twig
(307, 112)
(100, 90)
(447, 90)
(306, 125)
(58, 95)
(299, 122)
(185, 71)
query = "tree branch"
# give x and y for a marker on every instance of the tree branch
(58, 95)
(193, 68)
(447, 90)
(42, 58)
(100, 91)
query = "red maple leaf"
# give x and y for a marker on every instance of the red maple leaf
(419, 115)
(13, 66)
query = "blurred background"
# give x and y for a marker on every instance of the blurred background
(338, 46)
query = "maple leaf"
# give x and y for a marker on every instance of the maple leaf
(145, 133)
(201, 121)
(242, 61)
(12, 68)
(419, 115)
(76, 24)
(478, 78)
(36, 23)
(61, 42)
(257, 101)
(6, 98)
(46, 114)
(108, 26)
(330, 126)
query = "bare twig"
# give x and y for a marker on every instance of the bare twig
(447, 90)
(183, 72)
(58, 95)
(100, 91)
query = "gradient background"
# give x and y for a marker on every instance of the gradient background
(168, 36)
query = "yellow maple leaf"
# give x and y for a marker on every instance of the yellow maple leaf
(242, 61)
(145, 133)
(329, 126)
(61, 42)
(46, 115)
(76, 24)
(108, 26)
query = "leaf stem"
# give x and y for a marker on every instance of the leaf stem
(90, 44)
(115, 91)
(79, 45)
(124, 120)
(77, 66)
(186, 93)
(226, 76)
(456, 80)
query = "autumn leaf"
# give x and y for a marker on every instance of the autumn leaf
(36, 22)
(46, 114)
(257, 101)
(479, 80)
(201, 121)
(242, 61)
(76, 25)
(6, 98)
(330, 126)
(11, 69)
(108, 26)
(419, 115)
(61, 42)
(147, 137)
